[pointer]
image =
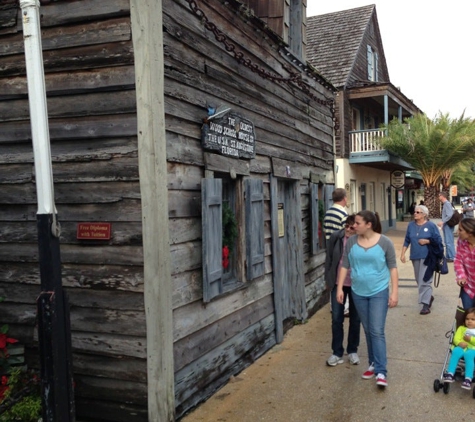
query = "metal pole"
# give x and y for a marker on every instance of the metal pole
(54, 332)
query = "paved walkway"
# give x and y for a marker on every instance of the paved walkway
(291, 382)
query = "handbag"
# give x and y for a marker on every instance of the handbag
(441, 267)
(455, 219)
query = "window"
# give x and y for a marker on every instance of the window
(222, 194)
(371, 193)
(372, 64)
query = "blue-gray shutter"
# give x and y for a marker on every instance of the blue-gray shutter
(328, 196)
(314, 217)
(212, 237)
(369, 54)
(254, 228)
(376, 67)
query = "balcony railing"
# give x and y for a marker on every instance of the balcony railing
(365, 140)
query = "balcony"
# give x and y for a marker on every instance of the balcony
(366, 150)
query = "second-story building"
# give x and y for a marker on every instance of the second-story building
(346, 47)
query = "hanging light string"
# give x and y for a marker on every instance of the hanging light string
(295, 78)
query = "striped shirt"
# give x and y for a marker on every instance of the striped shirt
(334, 220)
(464, 265)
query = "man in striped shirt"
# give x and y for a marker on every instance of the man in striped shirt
(336, 215)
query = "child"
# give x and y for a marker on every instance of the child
(464, 346)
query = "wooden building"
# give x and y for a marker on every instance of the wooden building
(164, 117)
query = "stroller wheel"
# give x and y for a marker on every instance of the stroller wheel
(437, 386)
(446, 387)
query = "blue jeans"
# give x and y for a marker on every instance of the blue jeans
(469, 357)
(449, 241)
(337, 324)
(372, 311)
(467, 301)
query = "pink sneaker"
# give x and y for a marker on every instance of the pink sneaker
(369, 373)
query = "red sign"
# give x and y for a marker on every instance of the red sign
(94, 231)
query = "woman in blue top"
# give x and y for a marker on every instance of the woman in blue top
(419, 234)
(372, 259)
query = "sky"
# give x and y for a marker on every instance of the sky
(428, 48)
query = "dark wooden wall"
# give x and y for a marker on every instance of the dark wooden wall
(89, 65)
(88, 60)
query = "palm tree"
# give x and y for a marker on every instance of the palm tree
(435, 148)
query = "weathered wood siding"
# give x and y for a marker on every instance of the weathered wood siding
(89, 64)
(89, 67)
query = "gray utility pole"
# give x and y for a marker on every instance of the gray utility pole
(54, 331)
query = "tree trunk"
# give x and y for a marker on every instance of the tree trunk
(431, 200)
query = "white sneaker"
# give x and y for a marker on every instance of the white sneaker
(354, 358)
(334, 360)
(381, 380)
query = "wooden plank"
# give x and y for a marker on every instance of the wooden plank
(109, 344)
(110, 54)
(75, 254)
(90, 409)
(193, 317)
(101, 389)
(195, 381)
(107, 277)
(15, 292)
(72, 151)
(74, 106)
(184, 230)
(187, 287)
(126, 210)
(184, 177)
(117, 368)
(100, 79)
(184, 203)
(185, 257)
(73, 193)
(107, 321)
(216, 162)
(109, 126)
(17, 173)
(98, 32)
(285, 169)
(201, 342)
(66, 12)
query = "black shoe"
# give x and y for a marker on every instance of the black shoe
(425, 309)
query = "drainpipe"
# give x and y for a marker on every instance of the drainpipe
(54, 332)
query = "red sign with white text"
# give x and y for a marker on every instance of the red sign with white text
(94, 231)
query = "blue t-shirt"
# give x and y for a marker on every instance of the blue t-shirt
(369, 267)
(414, 232)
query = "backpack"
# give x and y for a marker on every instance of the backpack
(455, 219)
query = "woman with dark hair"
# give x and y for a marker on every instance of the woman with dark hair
(335, 246)
(464, 262)
(372, 259)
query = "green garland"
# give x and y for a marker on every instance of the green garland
(230, 230)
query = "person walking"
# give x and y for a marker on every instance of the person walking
(336, 215)
(334, 221)
(335, 247)
(419, 234)
(447, 212)
(372, 259)
(468, 208)
(464, 264)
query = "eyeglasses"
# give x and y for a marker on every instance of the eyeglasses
(349, 227)
(418, 212)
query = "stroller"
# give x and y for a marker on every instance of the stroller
(459, 373)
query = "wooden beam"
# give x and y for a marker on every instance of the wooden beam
(147, 35)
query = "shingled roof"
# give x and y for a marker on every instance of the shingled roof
(333, 41)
